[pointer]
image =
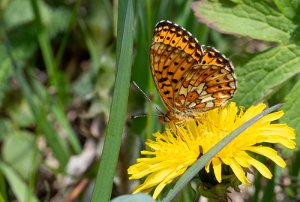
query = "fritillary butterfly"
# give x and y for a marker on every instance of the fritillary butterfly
(188, 78)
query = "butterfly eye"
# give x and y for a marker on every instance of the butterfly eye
(164, 119)
(167, 119)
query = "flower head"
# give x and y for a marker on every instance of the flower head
(174, 150)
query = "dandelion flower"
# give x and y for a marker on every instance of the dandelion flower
(174, 150)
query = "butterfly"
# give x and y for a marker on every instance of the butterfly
(188, 77)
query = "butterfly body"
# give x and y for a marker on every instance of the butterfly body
(188, 78)
(176, 117)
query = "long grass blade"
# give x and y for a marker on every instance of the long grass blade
(103, 186)
(58, 146)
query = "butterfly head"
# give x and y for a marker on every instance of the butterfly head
(170, 117)
(163, 118)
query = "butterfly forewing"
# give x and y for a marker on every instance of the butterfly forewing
(168, 66)
(176, 36)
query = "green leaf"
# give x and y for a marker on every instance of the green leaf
(5, 127)
(134, 198)
(21, 50)
(265, 72)
(203, 160)
(19, 12)
(256, 19)
(5, 72)
(20, 189)
(288, 8)
(21, 152)
(291, 109)
(21, 114)
(18, 19)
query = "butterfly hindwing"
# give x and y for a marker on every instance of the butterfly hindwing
(205, 87)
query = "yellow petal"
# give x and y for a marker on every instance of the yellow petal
(239, 172)
(152, 180)
(261, 168)
(269, 153)
(207, 166)
(241, 158)
(279, 140)
(273, 116)
(252, 111)
(217, 166)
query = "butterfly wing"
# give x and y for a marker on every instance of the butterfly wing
(187, 78)
(176, 36)
(169, 65)
(208, 84)
(205, 87)
(173, 52)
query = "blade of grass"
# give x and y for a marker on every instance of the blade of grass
(3, 191)
(269, 191)
(53, 72)
(149, 9)
(125, 34)
(294, 171)
(257, 188)
(57, 110)
(45, 46)
(19, 187)
(54, 141)
(196, 167)
(90, 44)
(65, 38)
(1, 198)
(182, 19)
(63, 121)
(150, 118)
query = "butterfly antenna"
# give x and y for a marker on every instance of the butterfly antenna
(147, 97)
(132, 116)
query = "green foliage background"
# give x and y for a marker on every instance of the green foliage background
(62, 92)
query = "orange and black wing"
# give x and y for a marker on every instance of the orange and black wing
(176, 36)
(173, 52)
(204, 87)
(188, 78)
